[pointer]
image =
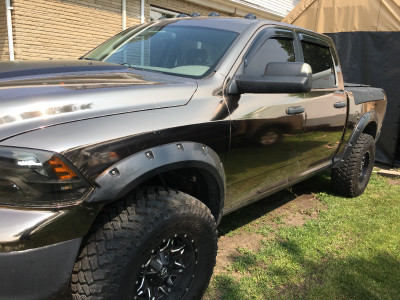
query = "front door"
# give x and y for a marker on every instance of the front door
(266, 128)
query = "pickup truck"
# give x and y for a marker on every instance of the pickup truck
(115, 169)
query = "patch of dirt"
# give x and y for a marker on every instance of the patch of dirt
(299, 211)
(393, 181)
(227, 248)
(290, 213)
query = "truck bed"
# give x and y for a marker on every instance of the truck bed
(364, 93)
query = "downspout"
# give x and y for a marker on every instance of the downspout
(142, 21)
(142, 11)
(123, 14)
(9, 30)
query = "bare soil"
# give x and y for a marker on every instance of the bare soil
(393, 181)
(290, 213)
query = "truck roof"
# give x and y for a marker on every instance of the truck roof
(226, 23)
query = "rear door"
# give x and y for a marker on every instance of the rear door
(325, 105)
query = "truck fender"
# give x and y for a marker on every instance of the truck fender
(367, 118)
(122, 177)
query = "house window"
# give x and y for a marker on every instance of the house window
(156, 13)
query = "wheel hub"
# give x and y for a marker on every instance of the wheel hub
(163, 272)
(363, 167)
(165, 268)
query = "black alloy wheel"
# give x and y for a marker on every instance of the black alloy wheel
(148, 246)
(172, 263)
(364, 168)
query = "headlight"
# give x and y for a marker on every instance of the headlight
(38, 178)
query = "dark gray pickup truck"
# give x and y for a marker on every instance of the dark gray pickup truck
(115, 169)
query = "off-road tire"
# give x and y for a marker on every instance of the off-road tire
(134, 237)
(352, 177)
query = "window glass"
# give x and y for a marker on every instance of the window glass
(320, 59)
(273, 50)
(184, 50)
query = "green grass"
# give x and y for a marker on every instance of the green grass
(351, 251)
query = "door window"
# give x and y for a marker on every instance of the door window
(319, 57)
(273, 50)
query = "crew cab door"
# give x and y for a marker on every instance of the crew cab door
(325, 105)
(266, 128)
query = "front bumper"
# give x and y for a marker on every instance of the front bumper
(38, 248)
(40, 273)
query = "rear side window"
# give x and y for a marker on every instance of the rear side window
(319, 57)
(273, 50)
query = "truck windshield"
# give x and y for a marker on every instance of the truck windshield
(190, 51)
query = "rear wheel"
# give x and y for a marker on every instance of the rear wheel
(352, 177)
(156, 244)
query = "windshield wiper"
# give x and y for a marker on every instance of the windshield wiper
(88, 58)
(126, 65)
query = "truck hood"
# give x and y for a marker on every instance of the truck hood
(37, 94)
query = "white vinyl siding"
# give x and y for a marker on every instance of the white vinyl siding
(276, 7)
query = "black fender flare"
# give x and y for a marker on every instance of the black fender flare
(120, 178)
(366, 119)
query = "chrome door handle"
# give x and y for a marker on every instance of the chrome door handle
(294, 110)
(340, 104)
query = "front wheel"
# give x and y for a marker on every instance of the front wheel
(155, 244)
(352, 177)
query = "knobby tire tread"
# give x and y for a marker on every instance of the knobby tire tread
(345, 178)
(118, 229)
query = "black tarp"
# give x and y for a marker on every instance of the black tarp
(373, 58)
(367, 37)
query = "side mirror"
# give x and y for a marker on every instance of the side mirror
(280, 77)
